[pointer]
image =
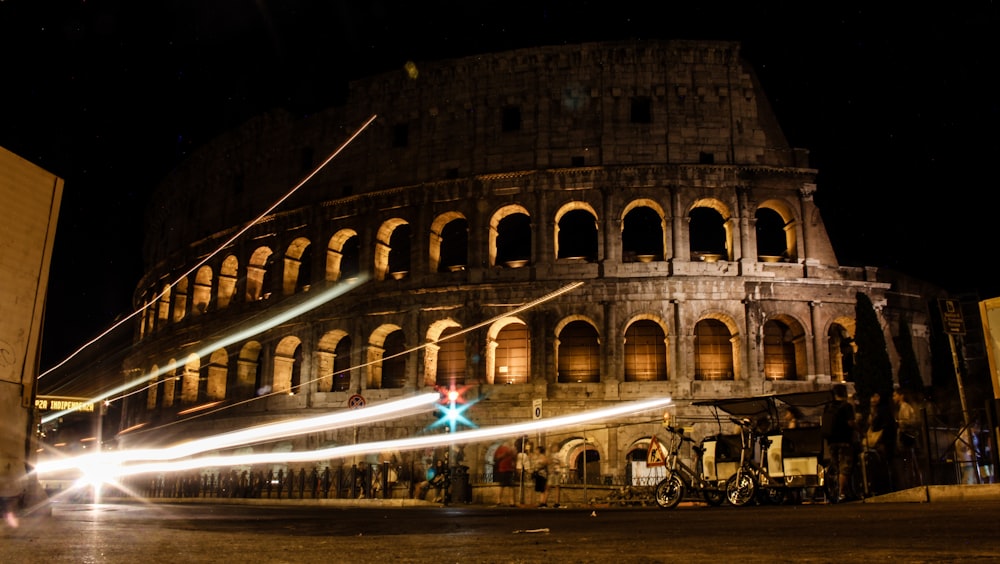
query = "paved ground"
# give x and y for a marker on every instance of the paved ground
(958, 524)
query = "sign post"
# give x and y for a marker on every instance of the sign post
(954, 324)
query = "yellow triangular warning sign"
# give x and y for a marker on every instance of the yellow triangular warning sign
(655, 456)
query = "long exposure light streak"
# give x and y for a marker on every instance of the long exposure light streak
(523, 307)
(219, 249)
(261, 433)
(425, 441)
(280, 317)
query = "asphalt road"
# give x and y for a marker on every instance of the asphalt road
(149, 534)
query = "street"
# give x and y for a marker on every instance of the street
(134, 532)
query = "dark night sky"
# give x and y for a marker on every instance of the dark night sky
(895, 104)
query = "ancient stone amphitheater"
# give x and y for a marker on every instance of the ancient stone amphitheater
(551, 230)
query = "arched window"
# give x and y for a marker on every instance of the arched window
(298, 267)
(392, 249)
(258, 276)
(288, 366)
(576, 235)
(342, 365)
(645, 352)
(202, 290)
(779, 351)
(180, 299)
(394, 363)
(579, 353)
(227, 280)
(713, 351)
(642, 235)
(216, 375)
(772, 244)
(450, 358)
(249, 376)
(449, 243)
(510, 237)
(508, 352)
(708, 235)
(841, 342)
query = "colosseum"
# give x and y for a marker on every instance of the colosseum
(551, 230)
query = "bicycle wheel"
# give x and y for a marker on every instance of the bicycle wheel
(669, 492)
(740, 488)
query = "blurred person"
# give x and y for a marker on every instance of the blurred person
(840, 431)
(907, 440)
(540, 473)
(504, 459)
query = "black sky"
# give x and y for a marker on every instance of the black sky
(895, 103)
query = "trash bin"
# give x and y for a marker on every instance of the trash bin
(461, 490)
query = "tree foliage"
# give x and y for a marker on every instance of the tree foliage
(909, 371)
(872, 369)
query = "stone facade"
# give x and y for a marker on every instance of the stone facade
(653, 172)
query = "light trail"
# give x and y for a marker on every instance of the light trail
(262, 433)
(311, 303)
(379, 446)
(219, 249)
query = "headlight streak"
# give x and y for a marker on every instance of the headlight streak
(481, 434)
(220, 248)
(262, 433)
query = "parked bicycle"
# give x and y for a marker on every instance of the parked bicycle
(681, 478)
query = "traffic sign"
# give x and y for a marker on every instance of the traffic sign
(357, 401)
(951, 316)
(536, 409)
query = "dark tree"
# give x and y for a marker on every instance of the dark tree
(872, 369)
(909, 371)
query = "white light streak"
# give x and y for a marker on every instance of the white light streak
(257, 434)
(116, 471)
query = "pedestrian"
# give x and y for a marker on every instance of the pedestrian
(503, 466)
(907, 440)
(839, 429)
(540, 463)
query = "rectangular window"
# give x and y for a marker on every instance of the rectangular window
(576, 161)
(642, 110)
(706, 158)
(511, 119)
(400, 135)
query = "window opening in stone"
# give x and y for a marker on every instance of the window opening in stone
(450, 358)
(514, 240)
(577, 161)
(350, 262)
(779, 351)
(399, 251)
(400, 135)
(151, 394)
(454, 246)
(180, 299)
(163, 308)
(298, 267)
(642, 236)
(645, 352)
(708, 235)
(642, 110)
(578, 236)
(706, 158)
(249, 376)
(771, 236)
(841, 345)
(217, 374)
(510, 357)
(511, 119)
(394, 369)
(287, 366)
(713, 356)
(202, 290)
(342, 365)
(258, 275)
(227, 280)
(579, 353)
(588, 467)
